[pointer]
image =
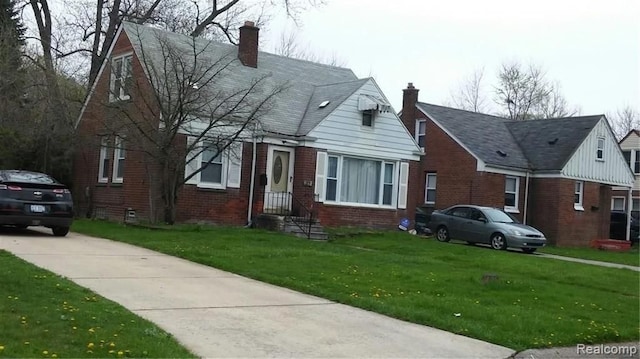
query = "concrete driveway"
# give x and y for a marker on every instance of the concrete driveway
(221, 314)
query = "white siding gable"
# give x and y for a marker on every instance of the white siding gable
(584, 165)
(342, 131)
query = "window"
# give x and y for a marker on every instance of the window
(121, 78)
(421, 128)
(430, 189)
(600, 150)
(511, 187)
(363, 181)
(103, 170)
(617, 204)
(627, 157)
(118, 160)
(578, 195)
(367, 118)
(635, 204)
(211, 165)
(636, 162)
(207, 167)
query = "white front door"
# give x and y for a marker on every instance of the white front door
(280, 162)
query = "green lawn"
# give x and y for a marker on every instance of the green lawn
(532, 303)
(45, 316)
(631, 257)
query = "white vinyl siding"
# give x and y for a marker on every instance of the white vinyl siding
(584, 165)
(121, 78)
(212, 169)
(430, 189)
(103, 170)
(578, 196)
(342, 132)
(511, 194)
(119, 155)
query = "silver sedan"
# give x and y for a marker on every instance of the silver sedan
(476, 224)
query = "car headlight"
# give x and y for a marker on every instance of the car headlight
(516, 232)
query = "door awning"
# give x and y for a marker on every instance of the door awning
(370, 102)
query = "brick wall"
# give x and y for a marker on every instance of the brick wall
(552, 211)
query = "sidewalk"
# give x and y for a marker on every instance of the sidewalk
(588, 261)
(219, 314)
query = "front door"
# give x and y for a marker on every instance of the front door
(279, 180)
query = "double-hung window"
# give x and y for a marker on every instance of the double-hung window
(618, 204)
(367, 118)
(600, 149)
(103, 170)
(578, 196)
(511, 189)
(360, 181)
(430, 189)
(119, 156)
(421, 130)
(211, 165)
(121, 78)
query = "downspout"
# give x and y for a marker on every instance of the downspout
(526, 198)
(629, 205)
(253, 177)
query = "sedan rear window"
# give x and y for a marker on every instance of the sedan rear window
(29, 177)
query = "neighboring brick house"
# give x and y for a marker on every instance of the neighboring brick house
(555, 174)
(330, 141)
(630, 146)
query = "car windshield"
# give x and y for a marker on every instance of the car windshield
(29, 177)
(496, 215)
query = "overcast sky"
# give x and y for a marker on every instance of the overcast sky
(591, 48)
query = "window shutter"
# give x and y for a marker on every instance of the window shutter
(235, 165)
(321, 170)
(402, 187)
(191, 162)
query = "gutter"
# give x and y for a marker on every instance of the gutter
(253, 177)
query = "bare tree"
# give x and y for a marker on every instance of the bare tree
(525, 93)
(624, 120)
(289, 46)
(186, 93)
(469, 95)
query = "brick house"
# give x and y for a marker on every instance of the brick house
(555, 174)
(329, 141)
(630, 145)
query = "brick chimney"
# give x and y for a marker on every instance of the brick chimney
(409, 100)
(248, 47)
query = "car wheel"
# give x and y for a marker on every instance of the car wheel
(498, 241)
(60, 231)
(442, 234)
(529, 250)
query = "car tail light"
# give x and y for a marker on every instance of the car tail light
(14, 188)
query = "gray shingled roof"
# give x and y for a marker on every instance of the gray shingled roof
(300, 77)
(483, 135)
(335, 94)
(548, 144)
(544, 145)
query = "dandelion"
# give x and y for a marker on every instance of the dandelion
(120, 353)
(74, 328)
(44, 352)
(54, 355)
(26, 343)
(91, 330)
(111, 351)
(112, 344)
(1, 348)
(90, 345)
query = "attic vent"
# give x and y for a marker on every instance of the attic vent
(554, 141)
(323, 104)
(501, 153)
